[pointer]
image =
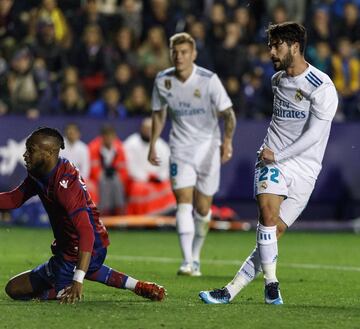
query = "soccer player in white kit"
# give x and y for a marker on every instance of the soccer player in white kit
(194, 98)
(289, 161)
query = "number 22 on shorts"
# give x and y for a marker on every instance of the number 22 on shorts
(272, 173)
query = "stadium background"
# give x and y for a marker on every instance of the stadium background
(121, 45)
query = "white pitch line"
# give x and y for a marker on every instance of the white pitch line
(232, 262)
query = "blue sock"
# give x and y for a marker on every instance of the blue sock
(108, 276)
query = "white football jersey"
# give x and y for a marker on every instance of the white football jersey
(294, 98)
(193, 106)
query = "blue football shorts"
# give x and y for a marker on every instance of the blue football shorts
(58, 273)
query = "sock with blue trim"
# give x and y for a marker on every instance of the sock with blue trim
(268, 250)
(248, 271)
(112, 278)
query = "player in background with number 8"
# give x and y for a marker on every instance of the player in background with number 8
(305, 102)
(194, 98)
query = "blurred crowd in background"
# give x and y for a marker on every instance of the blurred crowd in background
(99, 58)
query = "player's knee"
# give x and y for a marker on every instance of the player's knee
(203, 210)
(268, 217)
(10, 290)
(204, 216)
(202, 223)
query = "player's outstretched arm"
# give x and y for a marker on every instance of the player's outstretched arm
(158, 122)
(74, 201)
(15, 198)
(229, 127)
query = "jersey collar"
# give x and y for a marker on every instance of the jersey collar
(190, 76)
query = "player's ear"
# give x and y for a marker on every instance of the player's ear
(194, 54)
(171, 54)
(296, 47)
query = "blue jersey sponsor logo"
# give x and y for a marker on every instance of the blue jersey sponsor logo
(185, 109)
(282, 110)
(289, 113)
(189, 112)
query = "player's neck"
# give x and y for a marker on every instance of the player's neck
(298, 67)
(49, 167)
(185, 74)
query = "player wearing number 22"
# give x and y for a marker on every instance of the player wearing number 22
(81, 239)
(194, 98)
(289, 161)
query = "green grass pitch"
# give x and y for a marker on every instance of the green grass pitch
(319, 276)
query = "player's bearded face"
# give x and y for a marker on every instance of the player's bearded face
(285, 62)
(33, 157)
(281, 56)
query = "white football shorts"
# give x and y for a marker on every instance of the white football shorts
(201, 169)
(272, 179)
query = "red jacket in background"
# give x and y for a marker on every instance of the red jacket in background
(96, 168)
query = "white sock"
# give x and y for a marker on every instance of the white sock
(186, 240)
(185, 228)
(248, 271)
(201, 230)
(268, 250)
(131, 283)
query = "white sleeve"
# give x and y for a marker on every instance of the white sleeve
(324, 102)
(85, 163)
(218, 94)
(157, 103)
(309, 137)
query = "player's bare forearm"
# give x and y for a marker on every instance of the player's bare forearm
(84, 261)
(158, 122)
(229, 127)
(229, 123)
(13, 199)
(73, 293)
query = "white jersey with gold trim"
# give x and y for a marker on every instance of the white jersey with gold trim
(294, 99)
(193, 106)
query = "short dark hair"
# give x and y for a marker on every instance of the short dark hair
(52, 132)
(289, 32)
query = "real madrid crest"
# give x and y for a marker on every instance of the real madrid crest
(263, 185)
(197, 93)
(299, 96)
(168, 84)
